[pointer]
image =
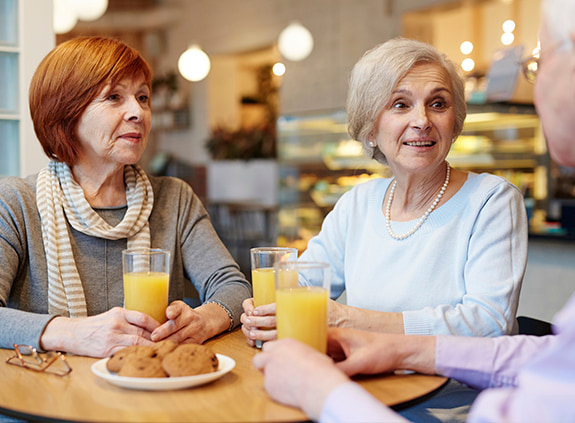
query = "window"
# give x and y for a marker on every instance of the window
(26, 36)
(9, 89)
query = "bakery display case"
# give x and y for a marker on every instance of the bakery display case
(318, 162)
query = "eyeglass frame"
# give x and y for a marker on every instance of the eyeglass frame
(40, 364)
(530, 71)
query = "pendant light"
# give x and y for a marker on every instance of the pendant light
(68, 12)
(89, 10)
(194, 64)
(65, 17)
(295, 42)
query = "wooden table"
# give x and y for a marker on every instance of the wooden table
(237, 396)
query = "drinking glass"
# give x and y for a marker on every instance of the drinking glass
(263, 260)
(146, 281)
(302, 293)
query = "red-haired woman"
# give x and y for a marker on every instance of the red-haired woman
(62, 231)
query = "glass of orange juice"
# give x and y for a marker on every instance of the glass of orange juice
(302, 293)
(263, 260)
(146, 281)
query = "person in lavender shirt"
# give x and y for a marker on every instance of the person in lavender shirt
(522, 378)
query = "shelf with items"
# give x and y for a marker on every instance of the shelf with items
(169, 106)
(507, 140)
(318, 162)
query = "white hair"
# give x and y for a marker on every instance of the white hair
(559, 18)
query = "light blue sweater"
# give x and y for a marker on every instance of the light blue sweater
(459, 274)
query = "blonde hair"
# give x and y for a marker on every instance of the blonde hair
(377, 73)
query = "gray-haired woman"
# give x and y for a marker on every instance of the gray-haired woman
(433, 250)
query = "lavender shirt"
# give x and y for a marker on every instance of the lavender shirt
(525, 378)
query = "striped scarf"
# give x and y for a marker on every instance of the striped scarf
(60, 197)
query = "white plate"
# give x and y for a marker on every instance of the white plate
(226, 364)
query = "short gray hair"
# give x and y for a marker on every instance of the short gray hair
(559, 18)
(378, 72)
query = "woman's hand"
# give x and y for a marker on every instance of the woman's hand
(298, 375)
(192, 325)
(258, 323)
(100, 335)
(361, 352)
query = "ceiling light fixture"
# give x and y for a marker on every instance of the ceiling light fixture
(295, 42)
(68, 12)
(89, 10)
(508, 25)
(64, 18)
(507, 38)
(194, 64)
(279, 69)
(468, 64)
(466, 47)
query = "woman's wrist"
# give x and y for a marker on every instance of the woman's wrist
(344, 316)
(418, 353)
(217, 318)
(338, 314)
(54, 336)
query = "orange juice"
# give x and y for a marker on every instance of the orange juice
(263, 284)
(287, 278)
(302, 314)
(147, 292)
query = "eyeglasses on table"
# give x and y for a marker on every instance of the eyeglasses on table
(52, 362)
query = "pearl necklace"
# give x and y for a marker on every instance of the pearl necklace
(423, 218)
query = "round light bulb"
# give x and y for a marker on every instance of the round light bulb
(295, 42)
(466, 47)
(468, 65)
(64, 18)
(507, 38)
(89, 10)
(508, 26)
(279, 69)
(194, 64)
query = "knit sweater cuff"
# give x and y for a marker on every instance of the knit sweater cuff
(413, 324)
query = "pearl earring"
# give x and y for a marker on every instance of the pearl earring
(371, 144)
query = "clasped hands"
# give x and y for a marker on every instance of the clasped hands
(103, 334)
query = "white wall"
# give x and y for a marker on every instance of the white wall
(36, 40)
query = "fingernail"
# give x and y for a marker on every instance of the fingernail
(256, 312)
(248, 321)
(252, 334)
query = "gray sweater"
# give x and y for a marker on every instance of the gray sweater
(178, 223)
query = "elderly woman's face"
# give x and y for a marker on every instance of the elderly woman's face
(115, 126)
(415, 128)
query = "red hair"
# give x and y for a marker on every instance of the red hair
(66, 82)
